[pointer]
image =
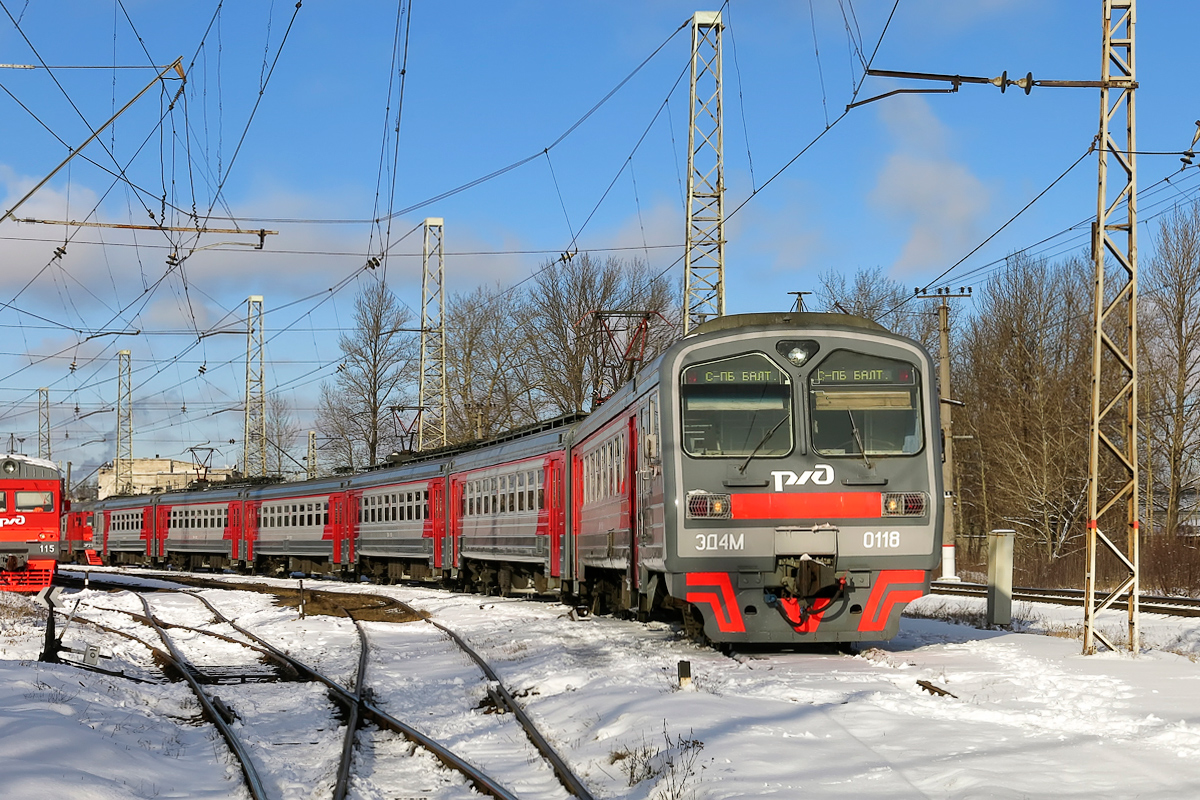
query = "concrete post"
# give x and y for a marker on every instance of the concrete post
(1000, 572)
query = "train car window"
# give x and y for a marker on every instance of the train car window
(3, 501)
(733, 407)
(864, 405)
(425, 504)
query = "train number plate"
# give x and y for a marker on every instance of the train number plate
(880, 540)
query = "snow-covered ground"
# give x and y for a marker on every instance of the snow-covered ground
(1029, 716)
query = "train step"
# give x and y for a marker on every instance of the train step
(93, 559)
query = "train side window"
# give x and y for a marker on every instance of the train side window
(512, 492)
(3, 501)
(541, 490)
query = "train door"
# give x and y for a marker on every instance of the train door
(437, 512)
(162, 525)
(454, 514)
(628, 485)
(104, 526)
(233, 532)
(250, 520)
(147, 525)
(339, 505)
(553, 494)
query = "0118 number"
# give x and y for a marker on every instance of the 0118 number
(881, 539)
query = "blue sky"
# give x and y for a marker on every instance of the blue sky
(909, 184)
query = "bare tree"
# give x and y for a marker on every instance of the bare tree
(1022, 371)
(283, 431)
(875, 296)
(565, 351)
(1170, 370)
(377, 371)
(487, 369)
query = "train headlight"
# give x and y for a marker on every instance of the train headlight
(702, 505)
(904, 504)
(797, 352)
(9, 467)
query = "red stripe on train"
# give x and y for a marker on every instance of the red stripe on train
(821, 505)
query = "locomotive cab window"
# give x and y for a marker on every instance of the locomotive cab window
(865, 405)
(35, 501)
(735, 407)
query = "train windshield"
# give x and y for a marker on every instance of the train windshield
(864, 405)
(735, 407)
(35, 501)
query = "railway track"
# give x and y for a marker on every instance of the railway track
(1171, 606)
(358, 702)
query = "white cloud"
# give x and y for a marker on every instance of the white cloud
(924, 188)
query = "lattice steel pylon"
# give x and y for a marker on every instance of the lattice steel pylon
(254, 437)
(123, 463)
(431, 388)
(1113, 456)
(44, 423)
(704, 281)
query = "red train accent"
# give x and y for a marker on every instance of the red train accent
(810, 505)
(36, 576)
(723, 602)
(892, 587)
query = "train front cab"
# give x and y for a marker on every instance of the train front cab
(30, 522)
(806, 470)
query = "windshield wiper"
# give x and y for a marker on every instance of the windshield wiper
(858, 439)
(757, 447)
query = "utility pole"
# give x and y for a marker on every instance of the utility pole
(1113, 425)
(254, 436)
(1114, 434)
(946, 403)
(704, 255)
(312, 455)
(431, 389)
(123, 464)
(44, 423)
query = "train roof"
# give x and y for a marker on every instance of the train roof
(795, 319)
(28, 467)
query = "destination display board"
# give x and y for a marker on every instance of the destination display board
(844, 368)
(752, 368)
